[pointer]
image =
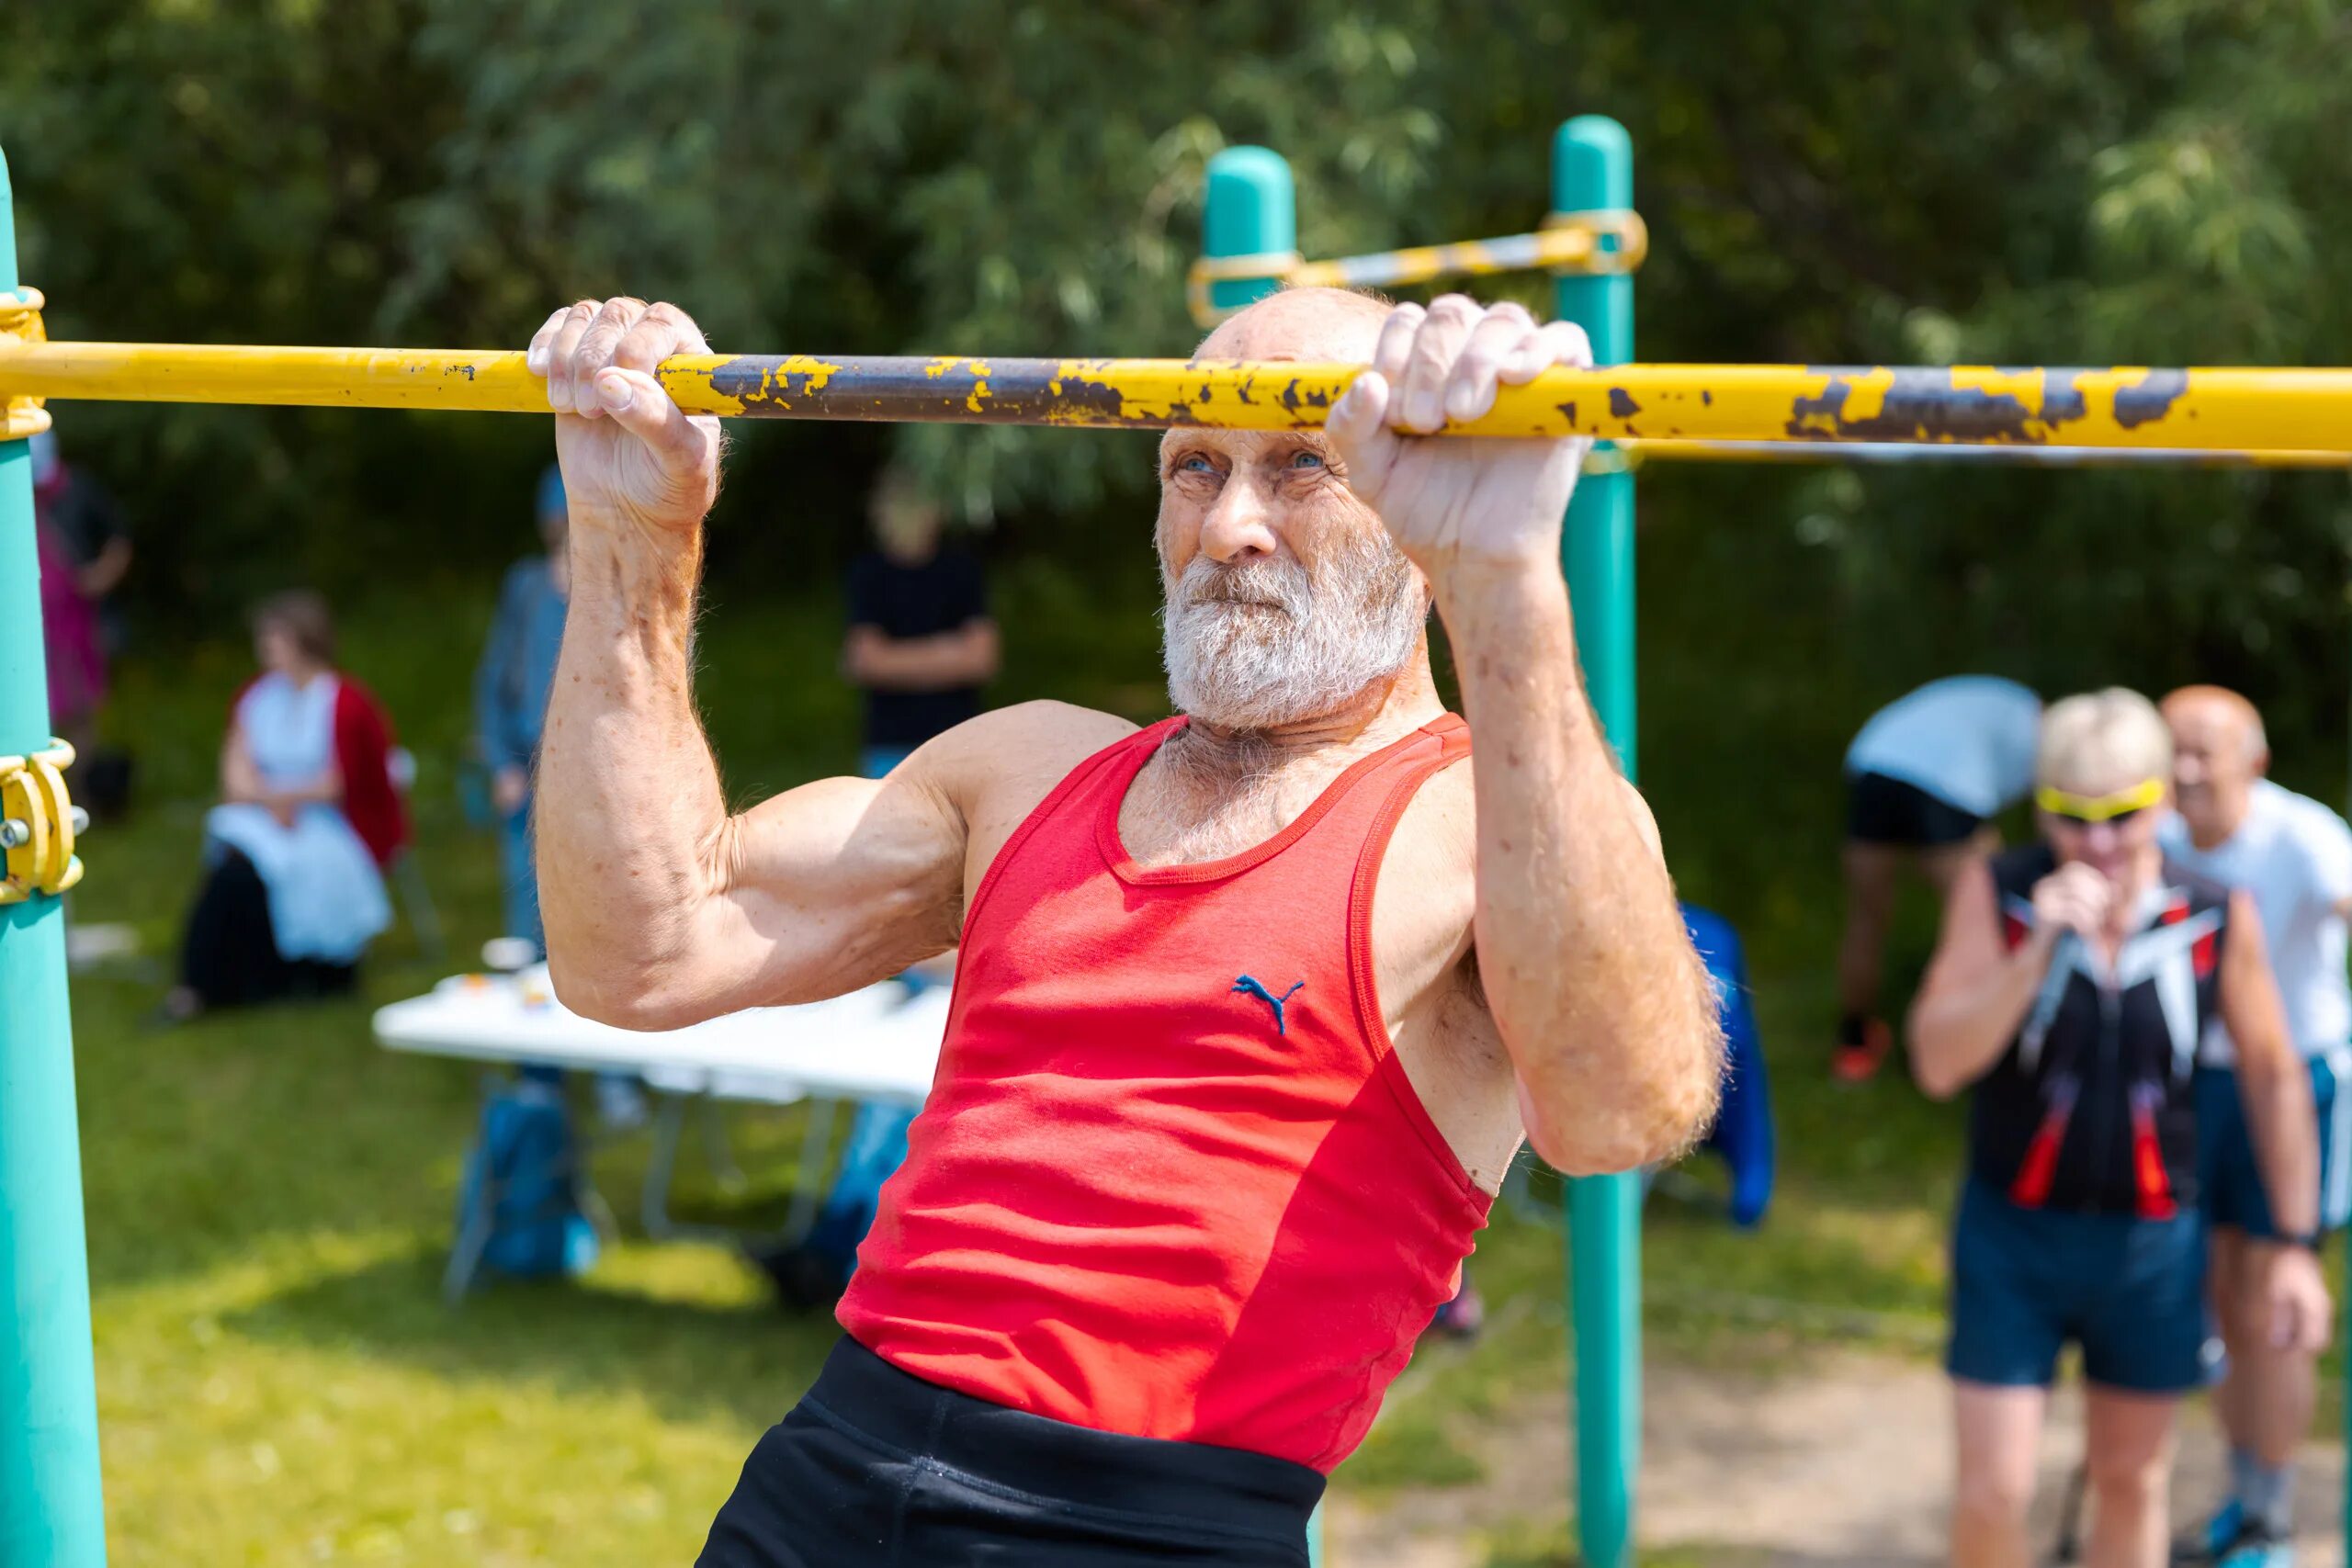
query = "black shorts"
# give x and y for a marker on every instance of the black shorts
(1882, 811)
(880, 1468)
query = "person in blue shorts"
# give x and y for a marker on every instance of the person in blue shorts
(2293, 856)
(2071, 986)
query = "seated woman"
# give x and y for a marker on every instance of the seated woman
(2070, 984)
(294, 890)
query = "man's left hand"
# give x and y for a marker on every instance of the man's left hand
(2300, 1313)
(1459, 503)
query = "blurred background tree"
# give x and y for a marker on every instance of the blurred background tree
(2026, 182)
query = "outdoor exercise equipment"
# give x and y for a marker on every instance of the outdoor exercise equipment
(2130, 408)
(50, 1509)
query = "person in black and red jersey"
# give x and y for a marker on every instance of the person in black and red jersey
(2073, 981)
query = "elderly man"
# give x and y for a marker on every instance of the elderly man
(2293, 856)
(1254, 1006)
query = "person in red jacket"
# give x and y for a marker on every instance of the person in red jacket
(1254, 1005)
(293, 888)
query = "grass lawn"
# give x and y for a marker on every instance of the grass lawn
(269, 1195)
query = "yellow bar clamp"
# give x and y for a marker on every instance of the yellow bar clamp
(39, 823)
(1568, 242)
(20, 324)
(2129, 407)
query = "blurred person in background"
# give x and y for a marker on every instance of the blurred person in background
(920, 644)
(84, 552)
(1922, 778)
(511, 686)
(2293, 857)
(511, 699)
(293, 889)
(2069, 987)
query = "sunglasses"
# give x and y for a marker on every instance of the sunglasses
(2114, 808)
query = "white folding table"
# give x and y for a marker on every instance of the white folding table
(880, 1043)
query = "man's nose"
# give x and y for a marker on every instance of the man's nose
(1239, 526)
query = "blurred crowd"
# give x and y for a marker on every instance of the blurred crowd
(2146, 1002)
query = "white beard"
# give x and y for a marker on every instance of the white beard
(1271, 642)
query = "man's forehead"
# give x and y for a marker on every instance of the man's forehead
(1311, 326)
(2211, 705)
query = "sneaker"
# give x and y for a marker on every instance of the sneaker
(1858, 1063)
(2229, 1540)
(2207, 1542)
(2257, 1548)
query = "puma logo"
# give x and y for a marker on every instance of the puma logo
(1248, 986)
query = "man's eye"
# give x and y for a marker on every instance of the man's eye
(1308, 461)
(1194, 463)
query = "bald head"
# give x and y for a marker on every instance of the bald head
(1321, 326)
(2219, 749)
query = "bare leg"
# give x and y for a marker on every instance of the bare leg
(2277, 1389)
(2129, 1441)
(2228, 1288)
(1872, 873)
(1999, 1432)
(1943, 864)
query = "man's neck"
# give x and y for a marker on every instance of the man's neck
(1371, 719)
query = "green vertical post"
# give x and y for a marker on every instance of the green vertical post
(1592, 168)
(51, 1512)
(1251, 209)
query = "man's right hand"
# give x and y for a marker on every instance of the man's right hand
(2074, 897)
(631, 457)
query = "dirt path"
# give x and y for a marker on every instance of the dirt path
(1845, 1462)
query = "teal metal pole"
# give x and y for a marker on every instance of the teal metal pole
(1593, 167)
(1251, 209)
(51, 1515)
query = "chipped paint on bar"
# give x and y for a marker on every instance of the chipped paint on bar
(2216, 410)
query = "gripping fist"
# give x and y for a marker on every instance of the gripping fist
(630, 455)
(1460, 502)
(2074, 897)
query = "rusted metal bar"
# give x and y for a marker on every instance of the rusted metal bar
(2202, 410)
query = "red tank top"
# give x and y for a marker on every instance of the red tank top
(1171, 1181)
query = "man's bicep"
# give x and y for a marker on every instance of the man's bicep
(843, 881)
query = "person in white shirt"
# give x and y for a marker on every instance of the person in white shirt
(2236, 828)
(1922, 779)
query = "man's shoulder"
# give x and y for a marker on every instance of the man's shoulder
(1028, 738)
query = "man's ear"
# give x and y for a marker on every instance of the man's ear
(2262, 763)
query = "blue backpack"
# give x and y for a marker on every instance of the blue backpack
(518, 1204)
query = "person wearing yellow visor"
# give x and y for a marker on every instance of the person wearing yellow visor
(2071, 986)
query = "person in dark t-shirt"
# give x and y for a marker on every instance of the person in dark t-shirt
(921, 645)
(920, 642)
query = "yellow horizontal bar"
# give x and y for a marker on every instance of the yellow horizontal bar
(1871, 453)
(1462, 258)
(2203, 410)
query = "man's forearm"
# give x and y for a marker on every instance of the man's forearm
(2278, 1097)
(1957, 1035)
(630, 818)
(939, 662)
(1594, 985)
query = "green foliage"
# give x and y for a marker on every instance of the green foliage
(2010, 182)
